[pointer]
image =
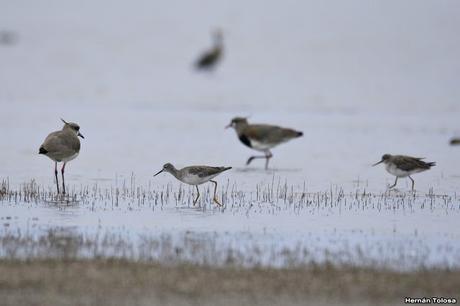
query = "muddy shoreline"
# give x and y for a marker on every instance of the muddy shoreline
(119, 282)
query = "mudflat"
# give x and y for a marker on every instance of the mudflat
(120, 282)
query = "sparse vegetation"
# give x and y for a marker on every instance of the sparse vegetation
(67, 266)
(215, 249)
(273, 196)
(120, 282)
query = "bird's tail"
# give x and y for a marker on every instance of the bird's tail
(226, 168)
(431, 164)
(290, 133)
(42, 150)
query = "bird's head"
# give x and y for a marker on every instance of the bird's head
(237, 122)
(73, 127)
(168, 167)
(385, 159)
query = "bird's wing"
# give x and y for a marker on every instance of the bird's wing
(408, 163)
(208, 58)
(59, 142)
(203, 171)
(204, 60)
(265, 133)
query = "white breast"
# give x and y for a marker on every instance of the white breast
(256, 145)
(192, 179)
(391, 168)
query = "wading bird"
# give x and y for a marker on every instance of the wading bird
(261, 137)
(404, 166)
(196, 175)
(62, 146)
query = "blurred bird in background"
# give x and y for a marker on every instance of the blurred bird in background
(209, 59)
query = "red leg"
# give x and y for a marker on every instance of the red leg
(56, 175)
(62, 172)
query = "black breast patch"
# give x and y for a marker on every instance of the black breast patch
(245, 140)
(42, 150)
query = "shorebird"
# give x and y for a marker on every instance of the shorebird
(210, 58)
(404, 166)
(196, 175)
(62, 146)
(261, 137)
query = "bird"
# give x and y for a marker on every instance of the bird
(62, 146)
(209, 59)
(261, 137)
(195, 175)
(404, 166)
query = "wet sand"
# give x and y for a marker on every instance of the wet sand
(114, 282)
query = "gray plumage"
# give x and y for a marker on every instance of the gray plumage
(62, 146)
(195, 175)
(204, 171)
(408, 163)
(404, 166)
(262, 137)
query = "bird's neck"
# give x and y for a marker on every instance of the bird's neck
(174, 172)
(218, 44)
(217, 50)
(69, 130)
(239, 128)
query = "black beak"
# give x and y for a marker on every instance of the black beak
(80, 135)
(377, 163)
(159, 172)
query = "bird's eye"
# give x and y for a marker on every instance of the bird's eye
(77, 128)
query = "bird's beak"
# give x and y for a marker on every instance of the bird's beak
(230, 125)
(159, 172)
(377, 163)
(80, 135)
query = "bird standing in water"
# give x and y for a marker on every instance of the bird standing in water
(261, 137)
(196, 175)
(404, 166)
(62, 146)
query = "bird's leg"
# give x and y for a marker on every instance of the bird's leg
(215, 191)
(63, 183)
(268, 155)
(413, 182)
(197, 195)
(396, 181)
(56, 175)
(254, 157)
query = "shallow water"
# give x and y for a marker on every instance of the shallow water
(278, 225)
(358, 88)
